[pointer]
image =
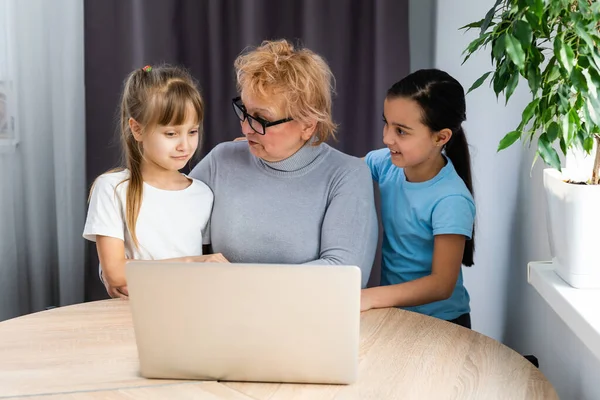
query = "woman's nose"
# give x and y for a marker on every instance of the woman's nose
(246, 129)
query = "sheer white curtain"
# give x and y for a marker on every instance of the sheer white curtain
(42, 165)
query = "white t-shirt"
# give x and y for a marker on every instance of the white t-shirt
(171, 223)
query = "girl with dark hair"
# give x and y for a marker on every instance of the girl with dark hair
(427, 205)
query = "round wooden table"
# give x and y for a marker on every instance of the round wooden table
(88, 351)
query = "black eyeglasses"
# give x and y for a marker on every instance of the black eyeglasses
(257, 124)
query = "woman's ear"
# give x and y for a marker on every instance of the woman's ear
(136, 129)
(442, 137)
(308, 129)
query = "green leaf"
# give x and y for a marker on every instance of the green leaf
(488, 17)
(579, 81)
(553, 132)
(475, 44)
(595, 75)
(564, 54)
(512, 85)
(593, 110)
(528, 112)
(563, 145)
(548, 114)
(500, 78)
(514, 50)
(579, 102)
(566, 130)
(574, 118)
(534, 20)
(582, 32)
(536, 125)
(538, 8)
(587, 117)
(584, 6)
(509, 139)
(547, 152)
(574, 16)
(544, 24)
(592, 79)
(596, 57)
(524, 33)
(479, 81)
(579, 139)
(514, 9)
(563, 98)
(586, 129)
(588, 144)
(536, 55)
(498, 47)
(549, 96)
(574, 126)
(557, 7)
(552, 71)
(591, 45)
(476, 24)
(534, 78)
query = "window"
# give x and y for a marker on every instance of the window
(8, 133)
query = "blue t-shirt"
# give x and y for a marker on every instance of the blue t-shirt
(412, 214)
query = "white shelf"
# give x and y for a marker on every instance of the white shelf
(578, 308)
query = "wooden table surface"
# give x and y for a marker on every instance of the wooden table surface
(88, 351)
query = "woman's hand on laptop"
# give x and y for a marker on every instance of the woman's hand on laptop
(209, 258)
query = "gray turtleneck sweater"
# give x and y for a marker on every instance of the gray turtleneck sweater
(315, 207)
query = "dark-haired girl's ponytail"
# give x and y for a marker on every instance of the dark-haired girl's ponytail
(457, 150)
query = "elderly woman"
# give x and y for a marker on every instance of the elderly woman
(284, 195)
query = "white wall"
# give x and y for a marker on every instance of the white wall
(511, 220)
(496, 175)
(421, 21)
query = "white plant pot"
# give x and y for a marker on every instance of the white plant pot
(573, 216)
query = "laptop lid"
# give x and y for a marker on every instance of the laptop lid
(246, 322)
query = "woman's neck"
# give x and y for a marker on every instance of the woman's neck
(301, 159)
(426, 170)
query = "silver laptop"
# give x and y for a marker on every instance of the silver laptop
(246, 322)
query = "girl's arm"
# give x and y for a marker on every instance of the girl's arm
(111, 252)
(445, 268)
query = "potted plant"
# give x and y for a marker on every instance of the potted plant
(553, 45)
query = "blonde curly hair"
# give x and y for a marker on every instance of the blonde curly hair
(300, 77)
